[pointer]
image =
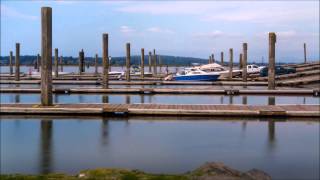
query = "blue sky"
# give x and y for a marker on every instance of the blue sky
(180, 28)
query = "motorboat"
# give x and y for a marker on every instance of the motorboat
(38, 74)
(217, 68)
(195, 74)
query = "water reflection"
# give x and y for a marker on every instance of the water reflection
(170, 144)
(271, 100)
(46, 147)
(244, 100)
(105, 99)
(104, 131)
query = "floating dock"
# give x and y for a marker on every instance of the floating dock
(164, 109)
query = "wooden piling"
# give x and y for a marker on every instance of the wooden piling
(10, 63)
(150, 62)
(81, 62)
(46, 54)
(17, 62)
(305, 52)
(128, 62)
(209, 60)
(244, 64)
(230, 63)
(142, 64)
(271, 68)
(160, 64)
(56, 63)
(221, 58)
(212, 58)
(105, 61)
(240, 61)
(154, 63)
(61, 63)
(38, 62)
(96, 65)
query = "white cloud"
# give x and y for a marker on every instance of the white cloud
(210, 11)
(212, 34)
(10, 12)
(126, 29)
(159, 30)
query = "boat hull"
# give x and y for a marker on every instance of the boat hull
(204, 77)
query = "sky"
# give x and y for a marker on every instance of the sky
(178, 28)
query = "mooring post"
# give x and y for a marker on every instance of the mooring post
(38, 62)
(209, 60)
(142, 64)
(240, 61)
(10, 63)
(271, 68)
(221, 58)
(96, 65)
(17, 62)
(56, 65)
(230, 63)
(105, 61)
(128, 62)
(212, 58)
(154, 63)
(160, 64)
(46, 54)
(150, 63)
(244, 65)
(305, 52)
(81, 62)
(61, 63)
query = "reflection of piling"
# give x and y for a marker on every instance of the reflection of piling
(244, 64)
(128, 62)
(271, 100)
(96, 65)
(305, 52)
(244, 100)
(271, 68)
(10, 63)
(150, 59)
(56, 62)
(46, 146)
(240, 61)
(272, 130)
(46, 54)
(230, 63)
(105, 99)
(61, 63)
(38, 62)
(105, 61)
(142, 64)
(17, 62)
(154, 63)
(221, 58)
(127, 99)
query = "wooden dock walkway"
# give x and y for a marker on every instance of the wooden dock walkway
(164, 109)
(296, 92)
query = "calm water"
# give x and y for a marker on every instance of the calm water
(284, 149)
(158, 98)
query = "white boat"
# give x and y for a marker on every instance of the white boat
(38, 74)
(252, 68)
(195, 74)
(217, 68)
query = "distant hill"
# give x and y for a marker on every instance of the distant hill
(117, 61)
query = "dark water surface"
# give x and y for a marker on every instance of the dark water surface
(158, 98)
(283, 149)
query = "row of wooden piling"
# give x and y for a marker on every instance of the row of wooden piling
(46, 61)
